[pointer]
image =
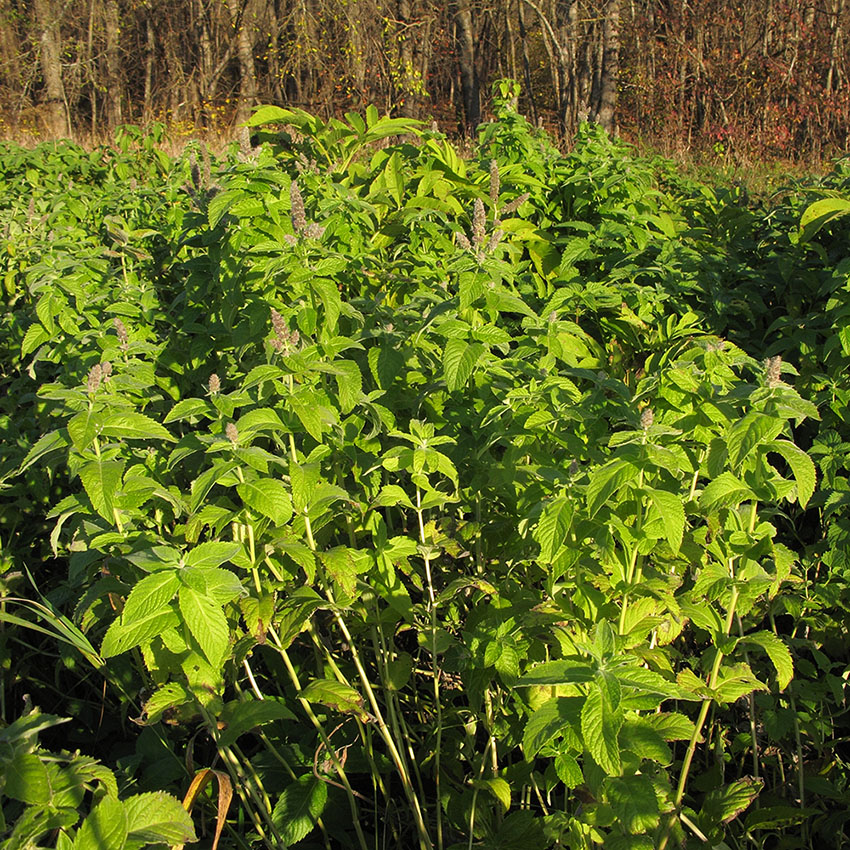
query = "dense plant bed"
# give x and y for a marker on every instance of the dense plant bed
(359, 495)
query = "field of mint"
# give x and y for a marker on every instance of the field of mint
(356, 494)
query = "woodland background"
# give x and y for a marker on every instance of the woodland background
(757, 77)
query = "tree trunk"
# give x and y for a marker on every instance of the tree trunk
(243, 22)
(150, 55)
(113, 64)
(47, 21)
(469, 82)
(610, 67)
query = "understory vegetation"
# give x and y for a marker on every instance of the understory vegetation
(355, 494)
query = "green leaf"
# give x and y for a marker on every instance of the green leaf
(600, 726)
(634, 802)
(725, 491)
(639, 737)
(157, 817)
(83, 428)
(392, 495)
(671, 726)
(552, 528)
(202, 485)
(725, 804)
(240, 717)
(189, 408)
(557, 716)
(801, 465)
(212, 554)
(459, 359)
(777, 817)
(299, 807)
(349, 383)
(820, 213)
(134, 426)
(672, 511)
(222, 586)
(498, 787)
(50, 442)
(101, 479)
(121, 636)
(26, 779)
(33, 338)
(105, 828)
(329, 295)
(342, 567)
(207, 623)
(269, 497)
(568, 770)
(736, 681)
(561, 672)
(303, 405)
(150, 596)
(749, 433)
(777, 651)
(171, 695)
(607, 480)
(335, 695)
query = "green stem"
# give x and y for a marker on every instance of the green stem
(435, 669)
(308, 710)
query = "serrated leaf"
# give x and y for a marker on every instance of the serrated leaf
(552, 528)
(170, 695)
(303, 405)
(157, 817)
(672, 512)
(750, 432)
(83, 428)
(671, 726)
(121, 636)
(555, 717)
(299, 807)
(349, 383)
(33, 338)
(725, 804)
(600, 726)
(26, 779)
(335, 695)
(563, 672)
(50, 442)
(392, 495)
(150, 595)
(101, 479)
(777, 651)
(240, 717)
(220, 204)
(134, 426)
(207, 623)
(212, 554)
(642, 739)
(105, 827)
(820, 213)
(498, 787)
(724, 492)
(634, 802)
(399, 671)
(777, 817)
(568, 770)
(188, 408)
(341, 567)
(607, 480)
(802, 468)
(269, 497)
(459, 359)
